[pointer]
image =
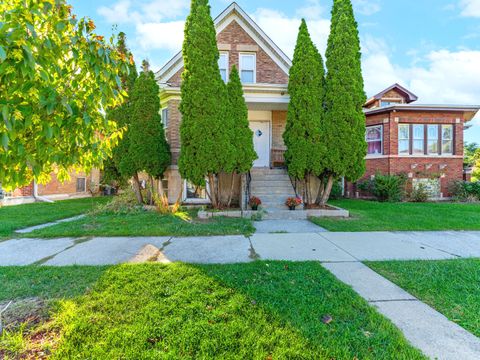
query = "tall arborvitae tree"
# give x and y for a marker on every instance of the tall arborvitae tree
(121, 162)
(205, 140)
(148, 147)
(305, 146)
(344, 125)
(242, 135)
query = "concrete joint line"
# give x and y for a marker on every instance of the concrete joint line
(391, 300)
(339, 247)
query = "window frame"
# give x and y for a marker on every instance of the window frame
(186, 200)
(451, 140)
(227, 75)
(408, 140)
(437, 140)
(165, 124)
(381, 139)
(240, 66)
(426, 140)
(84, 184)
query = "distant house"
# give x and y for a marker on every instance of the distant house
(423, 141)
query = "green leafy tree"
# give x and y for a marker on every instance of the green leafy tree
(149, 149)
(470, 153)
(303, 139)
(205, 140)
(344, 125)
(57, 80)
(242, 136)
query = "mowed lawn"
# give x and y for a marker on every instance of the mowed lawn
(21, 216)
(260, 310)
(450, 286)
(377, 216)
(147, 223)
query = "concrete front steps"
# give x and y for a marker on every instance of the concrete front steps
(272, 186)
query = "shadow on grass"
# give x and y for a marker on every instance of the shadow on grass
(261, 310)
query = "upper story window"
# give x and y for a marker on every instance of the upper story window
(447, 139)
(223, 65)
(165, 117)
(374, 138)
(422, 139)
(248, 68)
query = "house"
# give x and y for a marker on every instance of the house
(425, 141)
(422, 141)
(79, 186)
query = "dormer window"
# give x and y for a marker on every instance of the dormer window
(223, 65)
(248, 68)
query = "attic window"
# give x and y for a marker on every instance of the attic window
(385, 103)
(248, 68)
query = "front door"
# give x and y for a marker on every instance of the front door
(261, 142)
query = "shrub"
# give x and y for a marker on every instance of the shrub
(389, 188)
(337, 191)
(419, 193)
(125, 203)
(465, 191)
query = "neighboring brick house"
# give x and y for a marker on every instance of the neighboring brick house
(392, 119)
(424, 142)
(78, 186)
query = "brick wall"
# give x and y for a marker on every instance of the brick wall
(234, 40)
(279, 120)
(56, 187)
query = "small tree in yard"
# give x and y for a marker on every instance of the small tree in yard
(242, 135)
(148, 147)
(205, 135)
(57, 80)
(303, 138)
(344, 126)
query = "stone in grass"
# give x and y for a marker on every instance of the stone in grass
(327, 319)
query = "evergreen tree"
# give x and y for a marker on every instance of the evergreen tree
(148, 148)
(242, 135)
(344, 125)
(303, 139)
(205, 139)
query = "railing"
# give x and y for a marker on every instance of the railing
(248, 178)
(277, 157)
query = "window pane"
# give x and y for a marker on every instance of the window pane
(433, 146)
(418, 132)
(432, 132)
(81, 185)
(196, 192)
(248, 62)
(447, 132)
(374, 133)
(403, 146)
(447, 147)
(223, 74)
(247, 76)
(165, 117)
(375, 148)
(404, 132)
(222, 61)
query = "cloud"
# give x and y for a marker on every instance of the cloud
(160, 35)
(470, 8)
(119, 13)
(366, 7)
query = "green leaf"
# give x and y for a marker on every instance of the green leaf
(5, 113)
(60, 26)
(5, 141)
(3, 54)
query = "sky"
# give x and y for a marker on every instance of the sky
(432, 47)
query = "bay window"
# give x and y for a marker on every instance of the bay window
(374, 138)
(248, 68)
(423, 139)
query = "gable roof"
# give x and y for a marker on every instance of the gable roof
(408, 95)
(233, 13)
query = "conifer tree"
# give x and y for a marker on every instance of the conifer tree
(344, 125)
(242, 135)
(303, 139)
(205, 140)
(148, 148)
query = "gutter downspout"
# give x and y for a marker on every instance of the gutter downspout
(35, 194)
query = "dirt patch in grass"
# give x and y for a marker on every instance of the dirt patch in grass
(24, 312)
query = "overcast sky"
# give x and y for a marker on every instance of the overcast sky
(432, 47)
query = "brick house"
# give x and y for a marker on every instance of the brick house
(395, 125)
(425, 142)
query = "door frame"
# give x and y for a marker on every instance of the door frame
(269, 141)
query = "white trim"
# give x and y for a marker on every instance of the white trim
(165, 126)
(381, 138)
(195, 201)
(270, 139)
(240, 66)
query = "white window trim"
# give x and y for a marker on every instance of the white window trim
(195, 201)
(451, 140)
(227, 77)
(381, 139)
(254, 65)
(161, 115)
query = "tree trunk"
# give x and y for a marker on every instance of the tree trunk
(137, 189)
(213, 191)
(321, 190)
(231, 190)
(151, 190)
(160, 187)
(328, 189)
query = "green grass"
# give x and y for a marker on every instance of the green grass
(261, 310)
(450, 286)
(46, 282)
(22, 216)
(147, 223)
(376, 216)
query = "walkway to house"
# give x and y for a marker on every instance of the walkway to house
(341, 253)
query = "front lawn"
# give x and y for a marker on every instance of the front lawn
(376, 216)
(450, 286)
(261, 310)
(147, 223)
(21, 216)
